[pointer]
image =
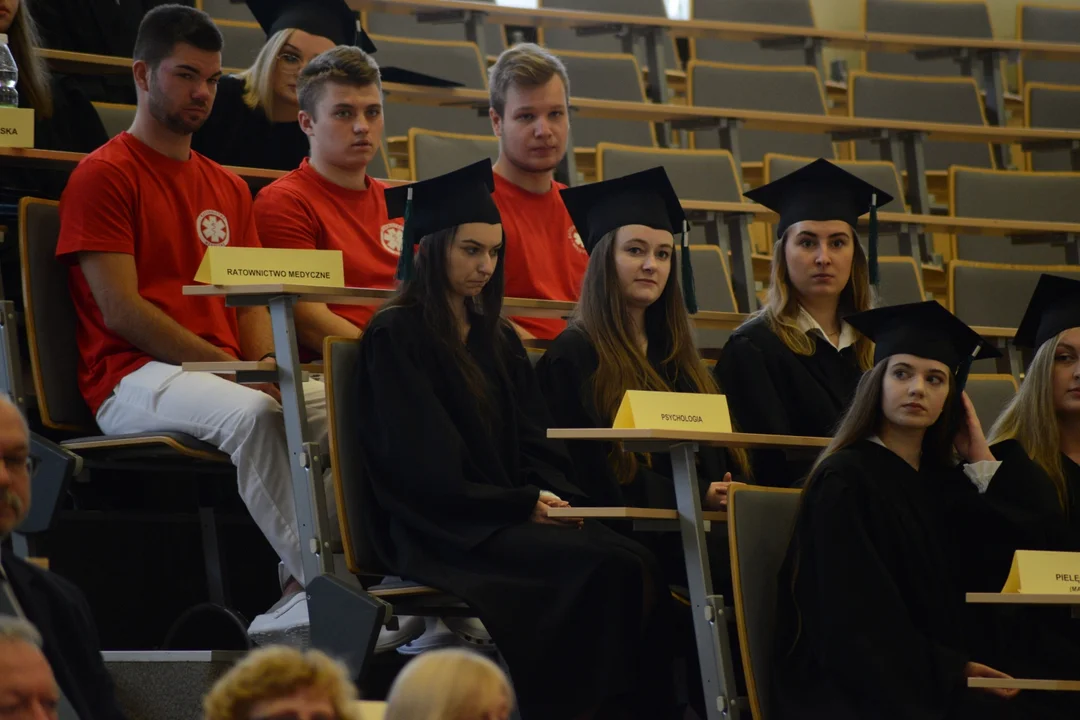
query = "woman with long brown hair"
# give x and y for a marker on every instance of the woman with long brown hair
(1042, 421)
(462, 475)
(793, 366)
(629, 331)
(871, 618)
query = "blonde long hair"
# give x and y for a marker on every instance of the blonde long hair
(603, 316)
(1030, 419)
(447, 685)
(33, 72)
(781, 308)
(259, 78)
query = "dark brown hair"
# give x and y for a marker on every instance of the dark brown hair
(164, 27)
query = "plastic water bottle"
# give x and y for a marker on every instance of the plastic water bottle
(9, 75)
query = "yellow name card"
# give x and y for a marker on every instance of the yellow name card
(261, 266)
(16, 127)
(673, 411)
(1044, 573)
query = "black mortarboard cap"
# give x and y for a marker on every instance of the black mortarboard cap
(643, 198)
(926, 330)
(1054, 307)
(331, 19)
(458, 197)
(824, 191)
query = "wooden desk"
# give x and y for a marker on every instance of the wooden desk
(1022, 599)
(1024, 684)
(710, 629)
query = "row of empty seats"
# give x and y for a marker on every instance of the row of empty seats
(1035, 22)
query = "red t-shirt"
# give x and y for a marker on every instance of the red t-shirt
(545, 258)
(304, 210)
(127, 198)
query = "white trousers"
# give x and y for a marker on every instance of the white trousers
(244, 423)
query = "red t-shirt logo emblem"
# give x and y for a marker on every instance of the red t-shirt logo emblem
(391, 237)
(213, 228)
(575, 237)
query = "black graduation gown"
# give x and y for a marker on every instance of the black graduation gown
(874, 623)
(60, 613)
(772, 390)
(454, 492)
(235, 134)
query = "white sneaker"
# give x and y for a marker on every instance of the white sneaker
(471, 631)
(435, 637)
(409, 628)
(286, 623)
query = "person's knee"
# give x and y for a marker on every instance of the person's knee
(259, 413)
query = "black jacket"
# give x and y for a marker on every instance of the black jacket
(61, 614)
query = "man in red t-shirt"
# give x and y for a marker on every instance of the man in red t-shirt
(330, 203)
(135, 219)
(545, 257)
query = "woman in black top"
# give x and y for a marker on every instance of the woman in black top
(463, 476)
(871, 618)
(793, 366)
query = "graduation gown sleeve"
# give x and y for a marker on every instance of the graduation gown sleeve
(755, 406)
(426, 483)
(856, 614)
(565, 377)
(545, 463)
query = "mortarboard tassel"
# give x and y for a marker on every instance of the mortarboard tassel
(689, 293)
(405, 261)
(964, 369)
(872, 242)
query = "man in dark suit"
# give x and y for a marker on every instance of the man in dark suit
(53, 605)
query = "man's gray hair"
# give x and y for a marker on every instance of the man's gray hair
(15, 629)
(6, 401)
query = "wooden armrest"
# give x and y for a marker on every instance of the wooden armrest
(230, 368)
(628, 513)
(1025, 684)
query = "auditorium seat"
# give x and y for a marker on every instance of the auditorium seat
(919, 17)
(765, 12)
(1047, 23)
(978, 193)
(243, 41)
(226, 10)
(695, 174)
(790, 89)
(900, 97)
(878, 173)
(989, 394)
(995, 295)
(408, 26)
(760, 522)
(452, 60)
(434, 153)
(607, 76)
(712, 281)
(1051, 106)
(355, 510)
(900, 281)
(115, 117)
(558, 39)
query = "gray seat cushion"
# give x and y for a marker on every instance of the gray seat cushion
(607, 78)
(434, 154)
(1048, 24)
(1053, 107)
(794, 90)
(768, 12)
(897, 98)
(1014, 196)
(947, 19)
(990, 395)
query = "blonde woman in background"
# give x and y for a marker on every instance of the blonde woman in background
(282, 682)
(1042, 421)
(792, 368)
(254, 120)
(450, 685)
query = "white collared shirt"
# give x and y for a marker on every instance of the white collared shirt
(806, 322)
(979, 473)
